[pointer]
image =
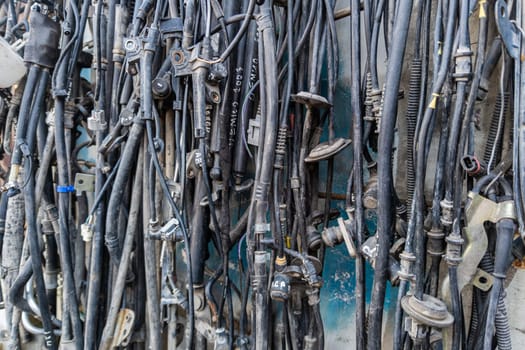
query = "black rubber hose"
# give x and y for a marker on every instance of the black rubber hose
(385, 222)
(33, 78)
(477, 78)
(308, 27)
(241, 31)
(120, 281)
(109, 40)
(357, 132)
(60, 90)
(79, 35)
(127, 163)
(16, 291)
(462, 76)
(455, 148)
(239, 75)
(374, 43)
(280, 151)
(36, 260)
(505, 229)
(251, 76)
(45, 159)
(199, 232)
(270, 135)
(438, 191)
(421, 141)
(25, 147)
(93, 316)
(492, 57)
(456, 307)
(70, 297)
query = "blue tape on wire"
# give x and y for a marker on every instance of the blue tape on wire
(65, 189)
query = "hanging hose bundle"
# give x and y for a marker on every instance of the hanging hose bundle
(173, 173)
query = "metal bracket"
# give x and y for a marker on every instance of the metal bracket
(184, 61)
(478, 211)
(509, 31)
(483, 280)
(124, 327)
(180, 61)
(84, 183)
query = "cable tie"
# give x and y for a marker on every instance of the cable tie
(65, 189)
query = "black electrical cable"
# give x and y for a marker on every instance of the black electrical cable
(384, 168)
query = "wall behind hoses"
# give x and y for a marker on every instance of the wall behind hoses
(256, 174)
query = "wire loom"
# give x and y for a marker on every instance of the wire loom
(200, 133)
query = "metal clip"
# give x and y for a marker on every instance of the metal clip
(171, 232)
(97, 121)
(254, 127)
